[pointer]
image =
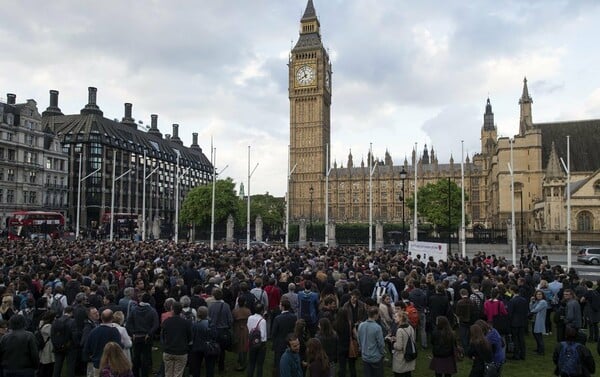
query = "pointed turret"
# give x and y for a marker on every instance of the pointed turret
(350, 163)
(488, 117)
(388, 159)
(309, 12)
(425, 158)
(525, 122)
(553, 169)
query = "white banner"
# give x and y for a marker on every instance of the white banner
(439, 251)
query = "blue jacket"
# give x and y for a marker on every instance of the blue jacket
(289, 365)
(498, 353)
(99, 337)
(370, 338)
(313, 298)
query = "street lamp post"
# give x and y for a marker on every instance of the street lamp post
(403, 176)
(449, 220)
(311, 190)
(112, 199)
(78, 209)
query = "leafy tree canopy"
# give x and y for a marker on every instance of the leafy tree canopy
(196, 207)
(439, 203)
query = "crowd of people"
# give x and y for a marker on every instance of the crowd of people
(98, 308)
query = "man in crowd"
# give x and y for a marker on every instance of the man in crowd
(98, 337)
(142, 324)
(372, 344)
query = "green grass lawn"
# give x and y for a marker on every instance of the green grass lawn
(534, 365)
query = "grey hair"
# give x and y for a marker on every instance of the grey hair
(185, 301)
(129, 291)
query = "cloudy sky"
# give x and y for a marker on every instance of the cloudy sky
(404, 72)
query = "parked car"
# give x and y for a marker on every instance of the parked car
(589, 254)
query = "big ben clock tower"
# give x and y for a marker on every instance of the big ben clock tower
(310, 131)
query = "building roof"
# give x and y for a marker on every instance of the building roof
(93, 127)
(386, 170)
(584, 140)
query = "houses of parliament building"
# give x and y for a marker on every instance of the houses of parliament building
(540, 188)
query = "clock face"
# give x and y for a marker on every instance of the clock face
(305, 75)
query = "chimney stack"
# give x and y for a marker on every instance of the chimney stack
(175, 138)
(195, 141)
(91, 107)
(53, 108)
(127, 119)
(11, 98)
(154, 126)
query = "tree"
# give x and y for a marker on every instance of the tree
(270, 208)
(433, 205)
(197, 206)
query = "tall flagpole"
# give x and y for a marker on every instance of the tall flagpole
(287, 199)
(213, 158)
(415, 217)
(463, 241)
(327, 198)
(513, 236)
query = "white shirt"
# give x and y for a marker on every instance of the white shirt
(253, 321)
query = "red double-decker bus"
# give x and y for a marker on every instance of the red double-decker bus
(35, 225)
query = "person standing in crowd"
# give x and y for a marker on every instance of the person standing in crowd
(418, 297)
(372, 344)
(497, 343)
(202, 332)
(282, 326)
(114, 362)
(274, 298)
(318, 361)
(290, 364)
(388, 288)
(63, 336)
(572, 309)
(220, 315)
(591, 310)
(465, 311)
(240, 333)
(118, 320)
(176, 335)
(480, 351)
(18, 350)
(571, 358)
(292, 297)
(346, 331)
(538, 307)
(443, 344)
(329, 340)
(517, 313)
(46, 355)
(386, 314)
(308, 307)
(88, 325)
(405, 331)
(142, 324)
(97, 340)
(257, 354)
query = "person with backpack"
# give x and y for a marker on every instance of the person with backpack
(187, 311)
(18, 350)
(571, 358)
(404, 334)
(308, 303)
(257, 340)
(63, 335)
(42, 337)
(385, 286)
(142, 324)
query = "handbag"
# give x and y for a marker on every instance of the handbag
(212, 348)
(353, 350)
(491, 370)
(459, 353)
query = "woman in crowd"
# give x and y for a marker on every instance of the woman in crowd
(6, 308)
(46, 366)
(544, 287)
(316, 357)
(538, 306)
(301, 333)
(114, 363)
(240, 332)
(118, 320)
(480, 350)
(443, 344)
(495, 339)
(400, 366)
(386, 313)
(203, 334)
(329, 340)
(344, 329)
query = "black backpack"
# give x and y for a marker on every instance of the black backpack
(255, 337)
(61, 334)
(39, 339)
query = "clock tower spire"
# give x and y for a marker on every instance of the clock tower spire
(309, 73)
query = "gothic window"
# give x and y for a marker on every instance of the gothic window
(584, 221)
(597, 187)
